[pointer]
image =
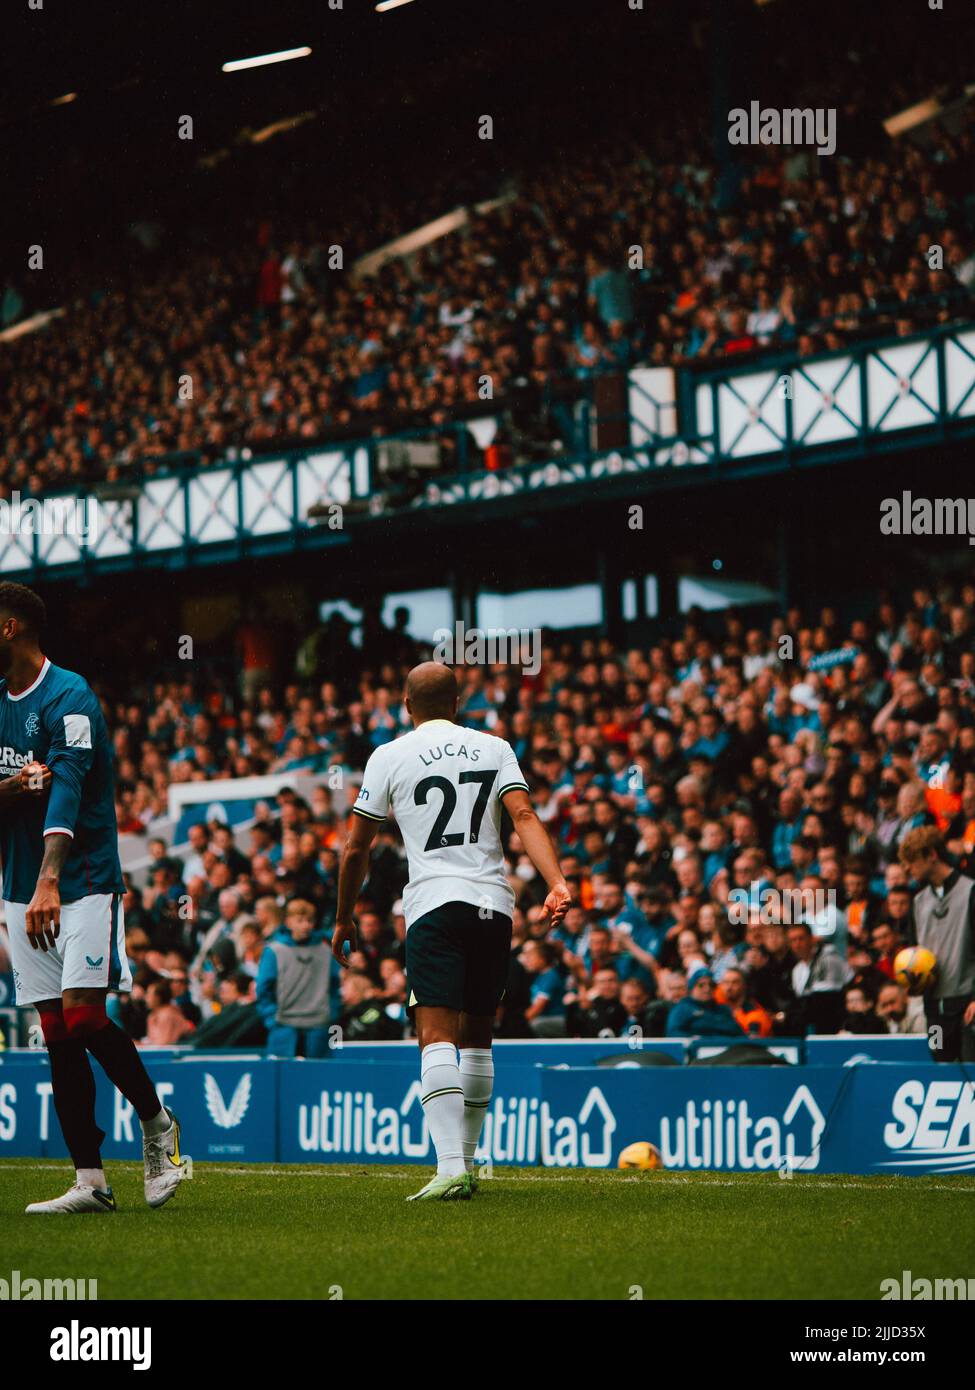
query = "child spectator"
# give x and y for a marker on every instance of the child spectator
(293, 985)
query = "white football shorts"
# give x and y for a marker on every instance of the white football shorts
(89, 952)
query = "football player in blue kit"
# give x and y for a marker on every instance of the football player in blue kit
(62, 903)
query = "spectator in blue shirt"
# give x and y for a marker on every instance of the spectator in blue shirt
(712, 740)
(615, 909)
(617, 950)
(572, 933)
(787, 828)
(610, 292)
(546, 1011)
(588, 351)
(474, 707)
(714, 847)
(803, 710)
(802, 854)
(698, 1015)
(655, 905)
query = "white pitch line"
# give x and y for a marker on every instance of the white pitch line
(663, 1179)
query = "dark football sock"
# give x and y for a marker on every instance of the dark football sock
(73, 1085)
(119, 1059)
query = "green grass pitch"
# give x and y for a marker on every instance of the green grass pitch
(308, 1232)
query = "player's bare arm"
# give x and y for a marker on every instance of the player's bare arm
(44, 909)
(540, 850)
(352, 875)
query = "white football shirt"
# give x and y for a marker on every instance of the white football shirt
(444, 785)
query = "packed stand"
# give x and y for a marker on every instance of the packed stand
(730, 810)
(284, 349)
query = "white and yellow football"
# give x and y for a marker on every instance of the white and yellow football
(916, 968)
(642, 1154)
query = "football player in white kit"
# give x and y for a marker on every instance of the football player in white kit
(446, 786)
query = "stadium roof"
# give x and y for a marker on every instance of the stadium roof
(109, 47)
(90, 96)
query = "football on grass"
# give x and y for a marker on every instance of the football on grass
(642, 1154)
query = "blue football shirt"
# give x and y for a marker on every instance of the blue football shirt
(58, 721)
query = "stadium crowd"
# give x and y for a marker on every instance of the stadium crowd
(729, 808)
(283, 348)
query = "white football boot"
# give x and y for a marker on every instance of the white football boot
(78, 1198)
(164, 1168)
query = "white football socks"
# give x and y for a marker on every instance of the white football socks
(91, 1177)
(477, 1078)
(443, 1104)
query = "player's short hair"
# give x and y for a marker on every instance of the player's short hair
(919, 842)
(17, 601)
